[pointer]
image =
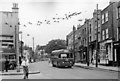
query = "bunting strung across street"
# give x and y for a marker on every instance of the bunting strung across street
(54, 19)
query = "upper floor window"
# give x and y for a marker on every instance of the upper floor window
(85, 41)
(99, 22)
(106, 16)
(106, 33)
(103, 35)
(103, 18)
(90, 29)
(85, 30)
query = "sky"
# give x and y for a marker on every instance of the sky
(46, 20)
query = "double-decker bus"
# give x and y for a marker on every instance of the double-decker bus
(62, 58)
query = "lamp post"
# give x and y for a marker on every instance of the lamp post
(32, 41)
(21, 44)
(17, 47)
(97, 39)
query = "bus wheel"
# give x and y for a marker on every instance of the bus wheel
(53, 65)
(69, 66)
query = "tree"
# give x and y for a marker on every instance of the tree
(31, 54)
(55, 45)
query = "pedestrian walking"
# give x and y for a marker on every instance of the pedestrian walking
(6, 64)
(25, 64)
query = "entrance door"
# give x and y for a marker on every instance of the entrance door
(118, 55)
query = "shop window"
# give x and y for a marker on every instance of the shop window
(106, 16)
(107, 33)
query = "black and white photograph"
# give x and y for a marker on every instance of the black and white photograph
(60, 40)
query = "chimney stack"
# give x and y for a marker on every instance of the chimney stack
(15, 7)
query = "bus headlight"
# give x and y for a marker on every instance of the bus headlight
(62, 62)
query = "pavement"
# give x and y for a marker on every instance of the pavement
(14, 72)
(100, 67)
(81, 65)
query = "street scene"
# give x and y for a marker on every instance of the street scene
(60, 39)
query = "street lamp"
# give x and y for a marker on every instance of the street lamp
(33, 42)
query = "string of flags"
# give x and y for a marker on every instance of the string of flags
(53, 20)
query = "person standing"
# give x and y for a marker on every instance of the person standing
(25, 64)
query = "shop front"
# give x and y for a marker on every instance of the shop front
(8, 54)
(83, 54)
(106, 52)
(92, 51)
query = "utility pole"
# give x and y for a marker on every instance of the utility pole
(74, 42)
(87, 42)
(97, 38)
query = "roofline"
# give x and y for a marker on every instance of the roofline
(108, 6)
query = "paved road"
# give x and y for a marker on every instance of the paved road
(49, 72)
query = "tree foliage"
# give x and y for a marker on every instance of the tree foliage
(55, 45)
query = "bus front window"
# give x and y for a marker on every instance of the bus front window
(63, 55)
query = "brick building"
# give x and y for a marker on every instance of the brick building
(109, 26)
(108, 23)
